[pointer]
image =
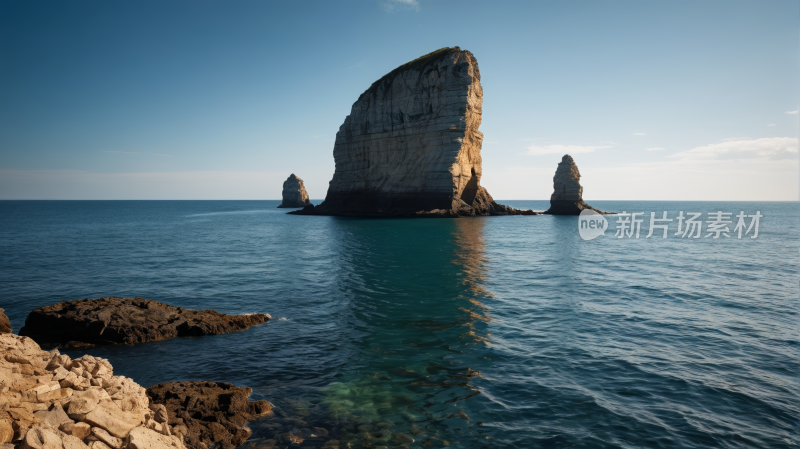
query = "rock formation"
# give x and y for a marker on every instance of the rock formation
(294, 193)
(567, 198)
(213, 412)
(5, 324)
(111, 320)
(49, 401)
(411, 145)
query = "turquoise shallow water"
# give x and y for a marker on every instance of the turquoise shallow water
(469, 333)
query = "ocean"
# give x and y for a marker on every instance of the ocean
(508, 332)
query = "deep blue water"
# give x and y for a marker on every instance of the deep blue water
(518, 332)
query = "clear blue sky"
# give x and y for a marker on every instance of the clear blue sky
(223, 100)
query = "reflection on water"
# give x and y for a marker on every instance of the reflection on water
(414, 345)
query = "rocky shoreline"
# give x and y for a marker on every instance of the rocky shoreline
(51, 401)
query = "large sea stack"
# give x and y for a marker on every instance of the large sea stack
(411, 145)
(294, 193)
(567, 198)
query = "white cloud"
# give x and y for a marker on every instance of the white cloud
(537, 150)
(639, 134)
(767, 148)
(395, 5)
(656, 149)
(793, 112)
(771, 124)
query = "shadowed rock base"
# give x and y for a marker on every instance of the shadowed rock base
(570, 208)
(367, 204)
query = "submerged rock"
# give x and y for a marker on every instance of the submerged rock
(214, 413)
(126, 321)
(411, 145)
(5, 324)
(567, 198)
(294, 193)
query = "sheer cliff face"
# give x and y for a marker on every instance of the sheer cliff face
(411, 142)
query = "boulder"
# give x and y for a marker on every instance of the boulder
(6, 431)
(117, 422)
(214, 413)
(567, 198)
(55, 417)
(294, 193)
(411, 145)
(142, 438)
(5, 324)
(112, 320)
(41, 437)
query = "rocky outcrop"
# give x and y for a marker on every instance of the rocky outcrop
(86, 322)
(5, 324)
(294, 193)
(567, 198)
(49, 401)
(411, 145)
(215, 413)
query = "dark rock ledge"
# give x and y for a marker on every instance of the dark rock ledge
(108, 321)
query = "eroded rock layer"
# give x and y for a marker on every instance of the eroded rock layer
(567, 197)
(411, 144)
(112, 320)
(294, 193)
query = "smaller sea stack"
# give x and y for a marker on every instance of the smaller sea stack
(567, 198)
(294, 193)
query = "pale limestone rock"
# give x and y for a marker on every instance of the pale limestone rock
(98, 445)
(82, 430)
(41, 437)
(411, 144)
(6, 431)
(5, 324)
(105, 437)
(37, 405)
(567, 198)
(142, 438)
(72, 442)
(84, 402)
(108, 416)
(55, 417)
(294, 193)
